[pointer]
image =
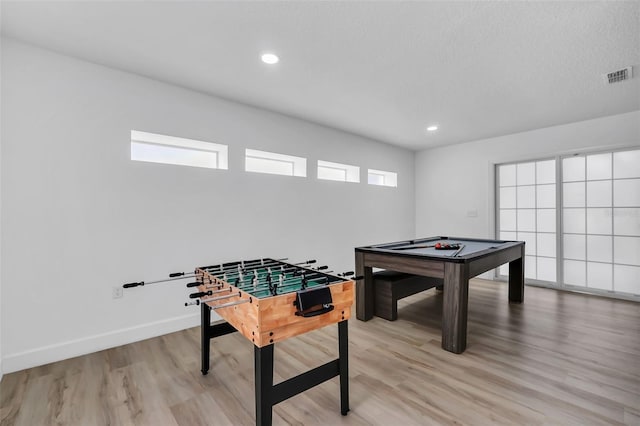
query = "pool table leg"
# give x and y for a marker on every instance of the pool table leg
(454, 308)
(364, 290)
(516, 279)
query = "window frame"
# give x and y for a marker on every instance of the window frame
(298, 164)
(389, 179)
(351, 173)
(148, 139)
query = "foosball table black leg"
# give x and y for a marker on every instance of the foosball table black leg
(263, 358)
(343, 363)
(205, 314)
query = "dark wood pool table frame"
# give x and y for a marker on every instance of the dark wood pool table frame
(455, 271)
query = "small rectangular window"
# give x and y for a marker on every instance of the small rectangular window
(272, 163)
(337, 171)
(155, 148)
(382, 178)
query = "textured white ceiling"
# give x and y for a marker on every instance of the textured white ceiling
(384, 70)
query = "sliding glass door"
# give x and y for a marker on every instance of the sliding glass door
(579, 217)
(601, 221)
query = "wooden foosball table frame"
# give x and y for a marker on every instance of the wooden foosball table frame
(269, 320)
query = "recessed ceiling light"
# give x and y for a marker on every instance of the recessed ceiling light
(432, 128)
(269, 58)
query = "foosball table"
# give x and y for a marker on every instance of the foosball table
(268, 301)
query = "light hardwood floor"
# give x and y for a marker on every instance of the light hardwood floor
(559, 358)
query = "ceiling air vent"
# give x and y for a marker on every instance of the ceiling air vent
(619, 75)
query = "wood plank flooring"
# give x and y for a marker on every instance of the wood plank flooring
(559, 358)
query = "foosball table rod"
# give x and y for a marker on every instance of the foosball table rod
(143, 283)
(213, 299)
(210, 292)
(226, 305)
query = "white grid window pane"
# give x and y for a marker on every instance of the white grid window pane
(575, 247)
(600, 275)
(546, 220)
(599, 194)
(626, 192)
(526, 198)
(546, 171)
(627, 250)
(546, 269)
(574, 194)
(546, 196)
(626, 279)
(507, 220)
(508, 236)
(599, 248)
(526, 173)
(573, 169)
(599, 221)
(574, 221)
(599, 166)
(546, 245)
(530, 267)
(529, 239)
(526, 220)
(507, 175)
(626, 221)
(508, 198)
(626, 164)
(575, 272)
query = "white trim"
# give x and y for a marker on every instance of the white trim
(86, 345)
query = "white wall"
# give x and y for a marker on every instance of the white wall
(78, 217)
(451, 181)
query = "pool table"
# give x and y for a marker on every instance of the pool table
(454, 266)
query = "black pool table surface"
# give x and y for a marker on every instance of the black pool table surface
(470, 248)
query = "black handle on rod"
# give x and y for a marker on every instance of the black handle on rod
(200, 294)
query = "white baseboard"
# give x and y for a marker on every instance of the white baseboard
(52, 353)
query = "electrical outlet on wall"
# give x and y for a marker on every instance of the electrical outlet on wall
(117, 292)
